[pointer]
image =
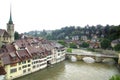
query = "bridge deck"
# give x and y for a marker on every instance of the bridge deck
(95, 55)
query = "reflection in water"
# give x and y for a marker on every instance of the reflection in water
(68, 70)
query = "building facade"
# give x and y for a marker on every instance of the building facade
(26, 56)
(7, 36)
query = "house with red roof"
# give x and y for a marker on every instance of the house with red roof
(26, 56)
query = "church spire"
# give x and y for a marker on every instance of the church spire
(10, 20)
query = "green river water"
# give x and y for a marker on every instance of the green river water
(79, 70)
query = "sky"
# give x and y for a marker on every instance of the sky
(30, 15)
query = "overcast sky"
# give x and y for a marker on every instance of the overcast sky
(53, 14)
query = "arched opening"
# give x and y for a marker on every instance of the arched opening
(73, 59)
(88, 59)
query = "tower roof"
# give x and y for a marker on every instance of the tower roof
(10, 20)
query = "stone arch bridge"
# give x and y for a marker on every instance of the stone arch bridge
(96, 57)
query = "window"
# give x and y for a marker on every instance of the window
(28, 65)
(34, 67)
(24, 71)
(13, 70)
(37, 65)
(28, 61)
(19, 63)
(19, 68)
(58, 54)
(29, 69)
(23, 62)
(24, 66)
(4, 38)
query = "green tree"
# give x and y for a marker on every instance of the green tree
(62, 42)
(117, 47)
(69, 50)
(115, 77)
(73, 45)
(84, 45)
(105, 43)
(16, 35)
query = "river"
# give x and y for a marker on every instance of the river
(79, 70)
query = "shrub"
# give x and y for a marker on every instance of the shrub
(69, 50)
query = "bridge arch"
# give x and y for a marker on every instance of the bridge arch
(73, 58)
(88, 59)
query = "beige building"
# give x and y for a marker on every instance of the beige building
(7, 36)
(26, 56)
(115, 42)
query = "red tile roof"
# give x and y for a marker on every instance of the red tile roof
(23, 54)
(3, 32)
(31, 47)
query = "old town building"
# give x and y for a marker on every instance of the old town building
(27, 55)
(7, 36)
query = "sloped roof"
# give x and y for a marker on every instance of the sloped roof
(23, 54)
(32, 47)
(117, 41)
(3, 32)
(8, 59)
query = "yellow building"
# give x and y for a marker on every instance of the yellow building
(29, 55)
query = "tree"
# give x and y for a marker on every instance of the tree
(105, 43)
(16, 35)
(84, 45)
(73, 45)
(69, 50)
(117, 47)
(115, 77)
(62, 42)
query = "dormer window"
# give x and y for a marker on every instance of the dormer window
(13, 56)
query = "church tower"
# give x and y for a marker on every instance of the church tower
(10, 28)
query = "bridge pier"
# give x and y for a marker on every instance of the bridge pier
(98, 59)
(79, 58)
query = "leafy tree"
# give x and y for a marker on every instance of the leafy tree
(105, 43)
(115, 77)
(114, 32)
(62, 42)
(84, 45)
(43, 34)
(110, 32)
(16, 35)
(117, 47)
(69, 50)
(49, 37)
(73, 45)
